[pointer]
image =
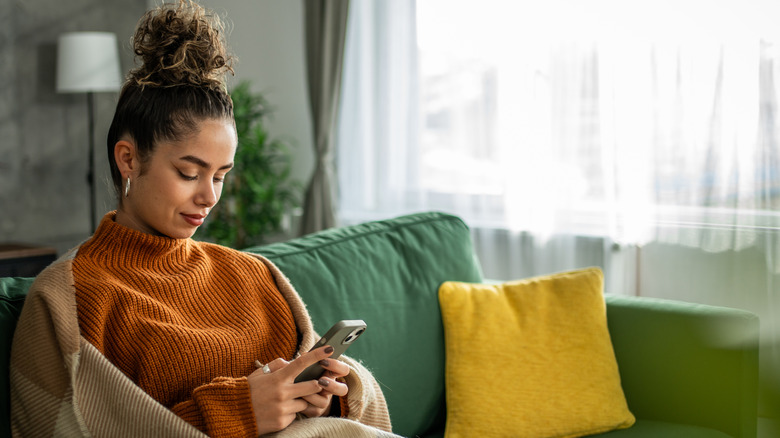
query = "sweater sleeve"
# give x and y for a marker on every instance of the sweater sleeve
(221, 408)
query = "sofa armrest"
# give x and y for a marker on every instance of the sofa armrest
(687, 363)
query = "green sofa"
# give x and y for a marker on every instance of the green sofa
(687, 370)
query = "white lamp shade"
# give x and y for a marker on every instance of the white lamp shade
(87, 61)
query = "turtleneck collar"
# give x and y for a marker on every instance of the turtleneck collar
(126, 245)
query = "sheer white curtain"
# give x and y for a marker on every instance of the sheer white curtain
(644, 139)
(377, 158)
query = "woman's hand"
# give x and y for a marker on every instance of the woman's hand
(320, 403)
(276, 398)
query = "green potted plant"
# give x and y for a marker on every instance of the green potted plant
(259, 191)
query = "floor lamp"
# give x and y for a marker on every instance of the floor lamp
(88, 62)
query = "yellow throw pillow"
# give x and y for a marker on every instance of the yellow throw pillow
(531, 358)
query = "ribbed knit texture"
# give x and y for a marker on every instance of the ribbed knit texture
(184, 320)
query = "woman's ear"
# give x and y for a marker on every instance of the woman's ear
(126, 157)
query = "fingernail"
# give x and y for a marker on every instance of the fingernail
(322, 382)
(324, 362)
(329, 349)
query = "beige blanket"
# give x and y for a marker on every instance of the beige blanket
(63, 386)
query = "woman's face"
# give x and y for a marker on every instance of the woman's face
(181, 182)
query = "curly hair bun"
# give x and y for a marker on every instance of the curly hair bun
(180, 44)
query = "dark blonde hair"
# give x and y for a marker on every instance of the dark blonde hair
(180, 82)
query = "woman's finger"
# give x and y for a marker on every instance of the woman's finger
(319, 400)
(270, 367)
(310, 358)
(333, 386)
(303, 389)
(334, 368)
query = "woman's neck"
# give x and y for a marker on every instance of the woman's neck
(127, 220)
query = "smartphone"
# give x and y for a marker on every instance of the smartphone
(340, 337)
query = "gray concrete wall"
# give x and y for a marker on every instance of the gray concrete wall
(44, 196)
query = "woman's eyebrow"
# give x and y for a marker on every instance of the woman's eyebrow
(199, 162)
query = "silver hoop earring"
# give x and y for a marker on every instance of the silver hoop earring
(127, 187)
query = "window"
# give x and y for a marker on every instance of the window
(557, 117)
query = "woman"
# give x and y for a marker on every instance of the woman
(141, 331)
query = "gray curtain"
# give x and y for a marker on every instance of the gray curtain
(326, 29)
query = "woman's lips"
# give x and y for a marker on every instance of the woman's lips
(195, 220)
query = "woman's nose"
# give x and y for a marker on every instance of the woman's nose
(207, 194)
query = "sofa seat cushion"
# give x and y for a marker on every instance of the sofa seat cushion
(647, 429)
(655, 429)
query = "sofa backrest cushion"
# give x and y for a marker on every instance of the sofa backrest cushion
(12, 293)
(387, 273)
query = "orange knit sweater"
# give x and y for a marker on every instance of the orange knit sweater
(185, 320)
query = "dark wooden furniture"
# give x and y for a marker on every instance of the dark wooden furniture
(20, 260)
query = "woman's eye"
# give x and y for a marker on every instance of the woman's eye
(187, 177)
